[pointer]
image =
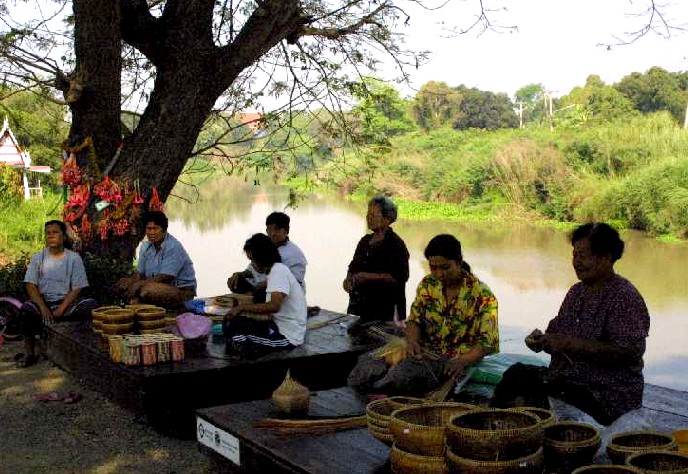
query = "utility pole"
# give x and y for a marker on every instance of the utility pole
(520, 114)
(547, 96)
(685, 119)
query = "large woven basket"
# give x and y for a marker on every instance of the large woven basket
(492, 434)
(399, 401)
(117, 316)
(656, 462)
(116, 329)
(152, 324)
(97, 315)
(378, 415)
(530, 464)
(630, 442)
(608, 469)
(568, 445)
(150, 314)
(546, 416)
(421, 429)
(381, 434)
(403, 462)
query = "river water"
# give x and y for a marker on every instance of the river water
(527, 267)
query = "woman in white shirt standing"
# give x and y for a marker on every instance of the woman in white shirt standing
(280, 322)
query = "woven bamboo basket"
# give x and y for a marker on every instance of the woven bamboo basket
(529, 464)
(383, 436)
(421, 429)
(117, 329)
(399, 401)
(152, 324)
(117, 316)
(681, 437)
(379, 412)
(546, 417)
(150, 314)
(608, 469)
(403, 462)
(136, 307)
(630, 442)
(97, 315)
(568, 445)
(656, 462)
(492, 434)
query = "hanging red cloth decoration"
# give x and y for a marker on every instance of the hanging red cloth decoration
(86, 229)
(76, 204)
(71, 174)
(155, 203)
(108, 190)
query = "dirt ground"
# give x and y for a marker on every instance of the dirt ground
(90, 436)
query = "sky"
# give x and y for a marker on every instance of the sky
(557, 44)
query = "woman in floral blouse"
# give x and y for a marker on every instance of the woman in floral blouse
(452, 325)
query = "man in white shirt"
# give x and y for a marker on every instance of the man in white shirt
(279, 322)
(251, 280)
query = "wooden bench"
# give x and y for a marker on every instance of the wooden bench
(228, 435)
(168, 393)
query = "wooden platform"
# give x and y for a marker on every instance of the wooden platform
(169, 393)
(228, 435)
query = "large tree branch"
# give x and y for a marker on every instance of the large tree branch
(271, 22)
(139, 28)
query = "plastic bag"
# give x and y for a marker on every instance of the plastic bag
(192, 326)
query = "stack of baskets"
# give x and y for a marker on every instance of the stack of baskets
(494, 441)
(97, 315)
(622, 445)
(377, 415)
(568, 445)
(419, 437)
(150, 319)
(115, 322)
(665, 462)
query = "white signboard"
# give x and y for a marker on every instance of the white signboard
(218, 440)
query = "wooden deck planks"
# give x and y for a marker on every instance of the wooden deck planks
(266, 450)
(169, 393)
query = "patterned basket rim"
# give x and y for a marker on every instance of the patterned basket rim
(619, 467)
(624, 434)
(536, 426)
(595, 439)
(394, 417)
(512, 462)
(398, 449)
(373, 405)
(654, 452)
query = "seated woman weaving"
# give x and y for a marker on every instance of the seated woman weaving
(279, 322)
(452, 325)
(597, 340)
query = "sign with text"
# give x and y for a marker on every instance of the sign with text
(218, 440)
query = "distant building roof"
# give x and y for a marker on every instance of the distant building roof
(251, 120)
(12, 154)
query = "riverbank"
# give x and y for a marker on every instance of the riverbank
(92, 436)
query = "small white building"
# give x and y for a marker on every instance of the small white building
(12, 155)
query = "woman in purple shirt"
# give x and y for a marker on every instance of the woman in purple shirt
(597, 340)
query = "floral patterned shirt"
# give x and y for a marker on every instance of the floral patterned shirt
(452, 328)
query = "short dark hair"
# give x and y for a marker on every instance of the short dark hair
(262, 250)
(280, 219)
(447, 246)
(63, 228)
(387, 207)
(156, 217)
(604, 239)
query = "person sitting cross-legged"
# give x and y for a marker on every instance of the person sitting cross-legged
(54, 281)
(452, 325)
(279, 322)
(165, 273)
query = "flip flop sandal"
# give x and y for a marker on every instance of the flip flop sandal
(49, 397)
(72, 397)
